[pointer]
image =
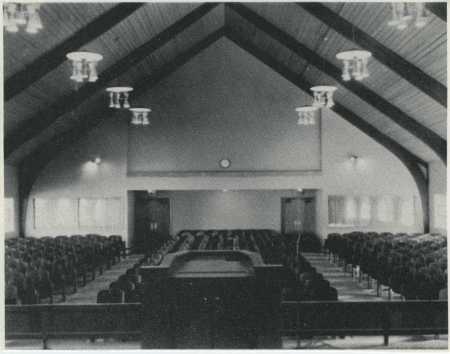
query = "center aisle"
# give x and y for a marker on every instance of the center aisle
(88, 293)
(347, 287)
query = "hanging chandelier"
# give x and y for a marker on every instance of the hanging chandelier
(405, 12)
(20, 15)
(355, 64)
(119, 96)
(140, 116)
(306, 115)
(323, 96)
(84, 66)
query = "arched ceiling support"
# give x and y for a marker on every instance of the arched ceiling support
(384, 55)
(426, 135)
(439, 9)
(44, 118)
(411, 162)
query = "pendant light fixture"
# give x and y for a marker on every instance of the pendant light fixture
(84, 66)
(355, 64)
(140, 116)
(323, 96)
(306, 115)
(119, 96)
(403, 13)
(22, 15)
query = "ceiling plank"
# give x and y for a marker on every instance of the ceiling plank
(413, 163)
(57, 55)
(32, 165)
(44, 118)
(426, 135)
(384, 55)
(439, 9)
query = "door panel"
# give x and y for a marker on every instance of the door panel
(152, 222)
(309, 215)
(293, 210)
(298, 215)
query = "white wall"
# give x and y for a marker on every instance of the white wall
(437, 186)
(219, 106)
(225, 210)
(11, 190)
(377, 171)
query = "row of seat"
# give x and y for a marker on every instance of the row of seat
(38, 269)
(414, 266)
(303, 283)
(268, 243)
(128, 287)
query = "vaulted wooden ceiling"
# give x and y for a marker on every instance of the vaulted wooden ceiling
(403, 102)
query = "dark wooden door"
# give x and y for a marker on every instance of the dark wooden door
(152, 222)
(298, 215)
(158, 210)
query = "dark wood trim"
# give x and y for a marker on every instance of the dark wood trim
(439, 9)
(32, 165)
(217, 173)
(411, 162)
(384, 55)
(44, 118)
(57, 55)
(426, 135)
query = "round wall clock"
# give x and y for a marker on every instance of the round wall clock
(225, 163)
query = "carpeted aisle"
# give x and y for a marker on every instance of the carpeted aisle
(349, 289)
(88, 293)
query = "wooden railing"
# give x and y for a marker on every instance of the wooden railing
(299, 319)
(384, 318)
(72, 321)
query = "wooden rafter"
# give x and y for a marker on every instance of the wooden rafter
(33, 164)
(426, 135)
(439, 9)
(413, 163)
(57, 55)
(44, 118)
(384, 55)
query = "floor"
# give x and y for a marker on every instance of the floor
(361, 342)
(88, 293)
(349, 288)
(369, 342)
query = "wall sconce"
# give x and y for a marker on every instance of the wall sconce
(353, 158)
(97, 160)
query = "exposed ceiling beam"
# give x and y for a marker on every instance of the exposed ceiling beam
(439, 9)
(57, 55)
(384, 55)
(32, 165)
(426, 135)
(44, 118)
(411, 162)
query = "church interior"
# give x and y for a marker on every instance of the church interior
(225, 175)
